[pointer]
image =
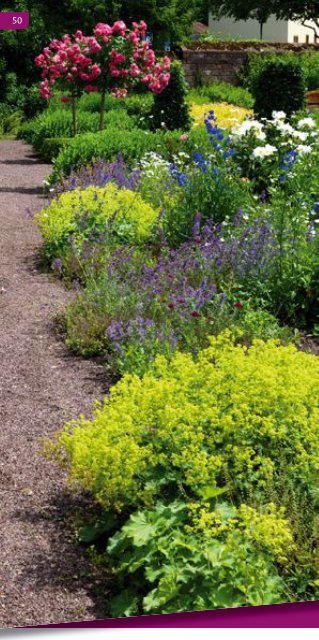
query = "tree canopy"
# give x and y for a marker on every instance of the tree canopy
(168, 20)
(261, 10)
(302, 10)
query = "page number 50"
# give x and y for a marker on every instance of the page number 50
(14, 20)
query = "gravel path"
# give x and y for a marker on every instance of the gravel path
(44, 577)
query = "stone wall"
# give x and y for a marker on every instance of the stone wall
(212, 65)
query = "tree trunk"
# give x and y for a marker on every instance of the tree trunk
(261, 26)
(74, 120)
(102, 109)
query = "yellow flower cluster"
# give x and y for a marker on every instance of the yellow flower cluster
(269, 530)
(227, 114)
(234, 418)
(99, 204)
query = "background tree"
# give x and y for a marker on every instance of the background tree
(167, 20)
(259, 10)
(303, 10)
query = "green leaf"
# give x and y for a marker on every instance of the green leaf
(92, 532)
(210, 492)
(139, 529)
(125, 604)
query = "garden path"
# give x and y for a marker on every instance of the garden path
(44, 577)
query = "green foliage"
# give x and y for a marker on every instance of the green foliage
(222, 92)
(93, 211)
(107, 145)
(170, 109)
(166, 565)
(209, 465)
(50, 147)
(58, 124)
(33, 103)
(217, 194)
(10, 91)
(281, 87)
(231, 417)
(135, 104)
(308, 60)
(10, 120)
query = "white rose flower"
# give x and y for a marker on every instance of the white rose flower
(303, 149)
(283, 127)
(300, 135)
(278, 115)
(307, 122)
(247, 126)
(264, 152)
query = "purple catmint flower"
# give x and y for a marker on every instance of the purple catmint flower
(99, 174)
(57, 265)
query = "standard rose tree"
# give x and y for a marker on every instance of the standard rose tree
(115, 59)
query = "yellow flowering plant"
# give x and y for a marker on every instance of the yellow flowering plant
(217, 455)
(80, 214)
(232, 417)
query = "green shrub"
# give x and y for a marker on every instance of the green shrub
(135, 104)
(223, 447)
(10, 120)
(308, 60)
(50, 147)
(58, 124)
(94, 211)
(25, 130)
(280, 87)
(165, 565)
(233, 419)
(217, 194)
(121, 119)
(107, 145)
(33, 103)
(11, 93)
(170, 109)
(223, 92)
(310, 64)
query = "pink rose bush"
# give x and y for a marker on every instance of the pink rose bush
(114, 59)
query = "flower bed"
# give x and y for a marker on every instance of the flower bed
(195, 256)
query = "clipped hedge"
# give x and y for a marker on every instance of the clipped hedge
(86, 148)
(308, 61)
(280, 87)
(58, 124)
(51, 147)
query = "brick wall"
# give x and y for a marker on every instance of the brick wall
(212, 65)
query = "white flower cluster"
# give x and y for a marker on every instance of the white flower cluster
(302, 136)
(303, 149)
(152, 163)
(247, 126)
(264, 152)
(307, 122)
(278, 115)
(279, 121)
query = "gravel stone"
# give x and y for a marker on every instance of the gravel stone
(44, 576)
